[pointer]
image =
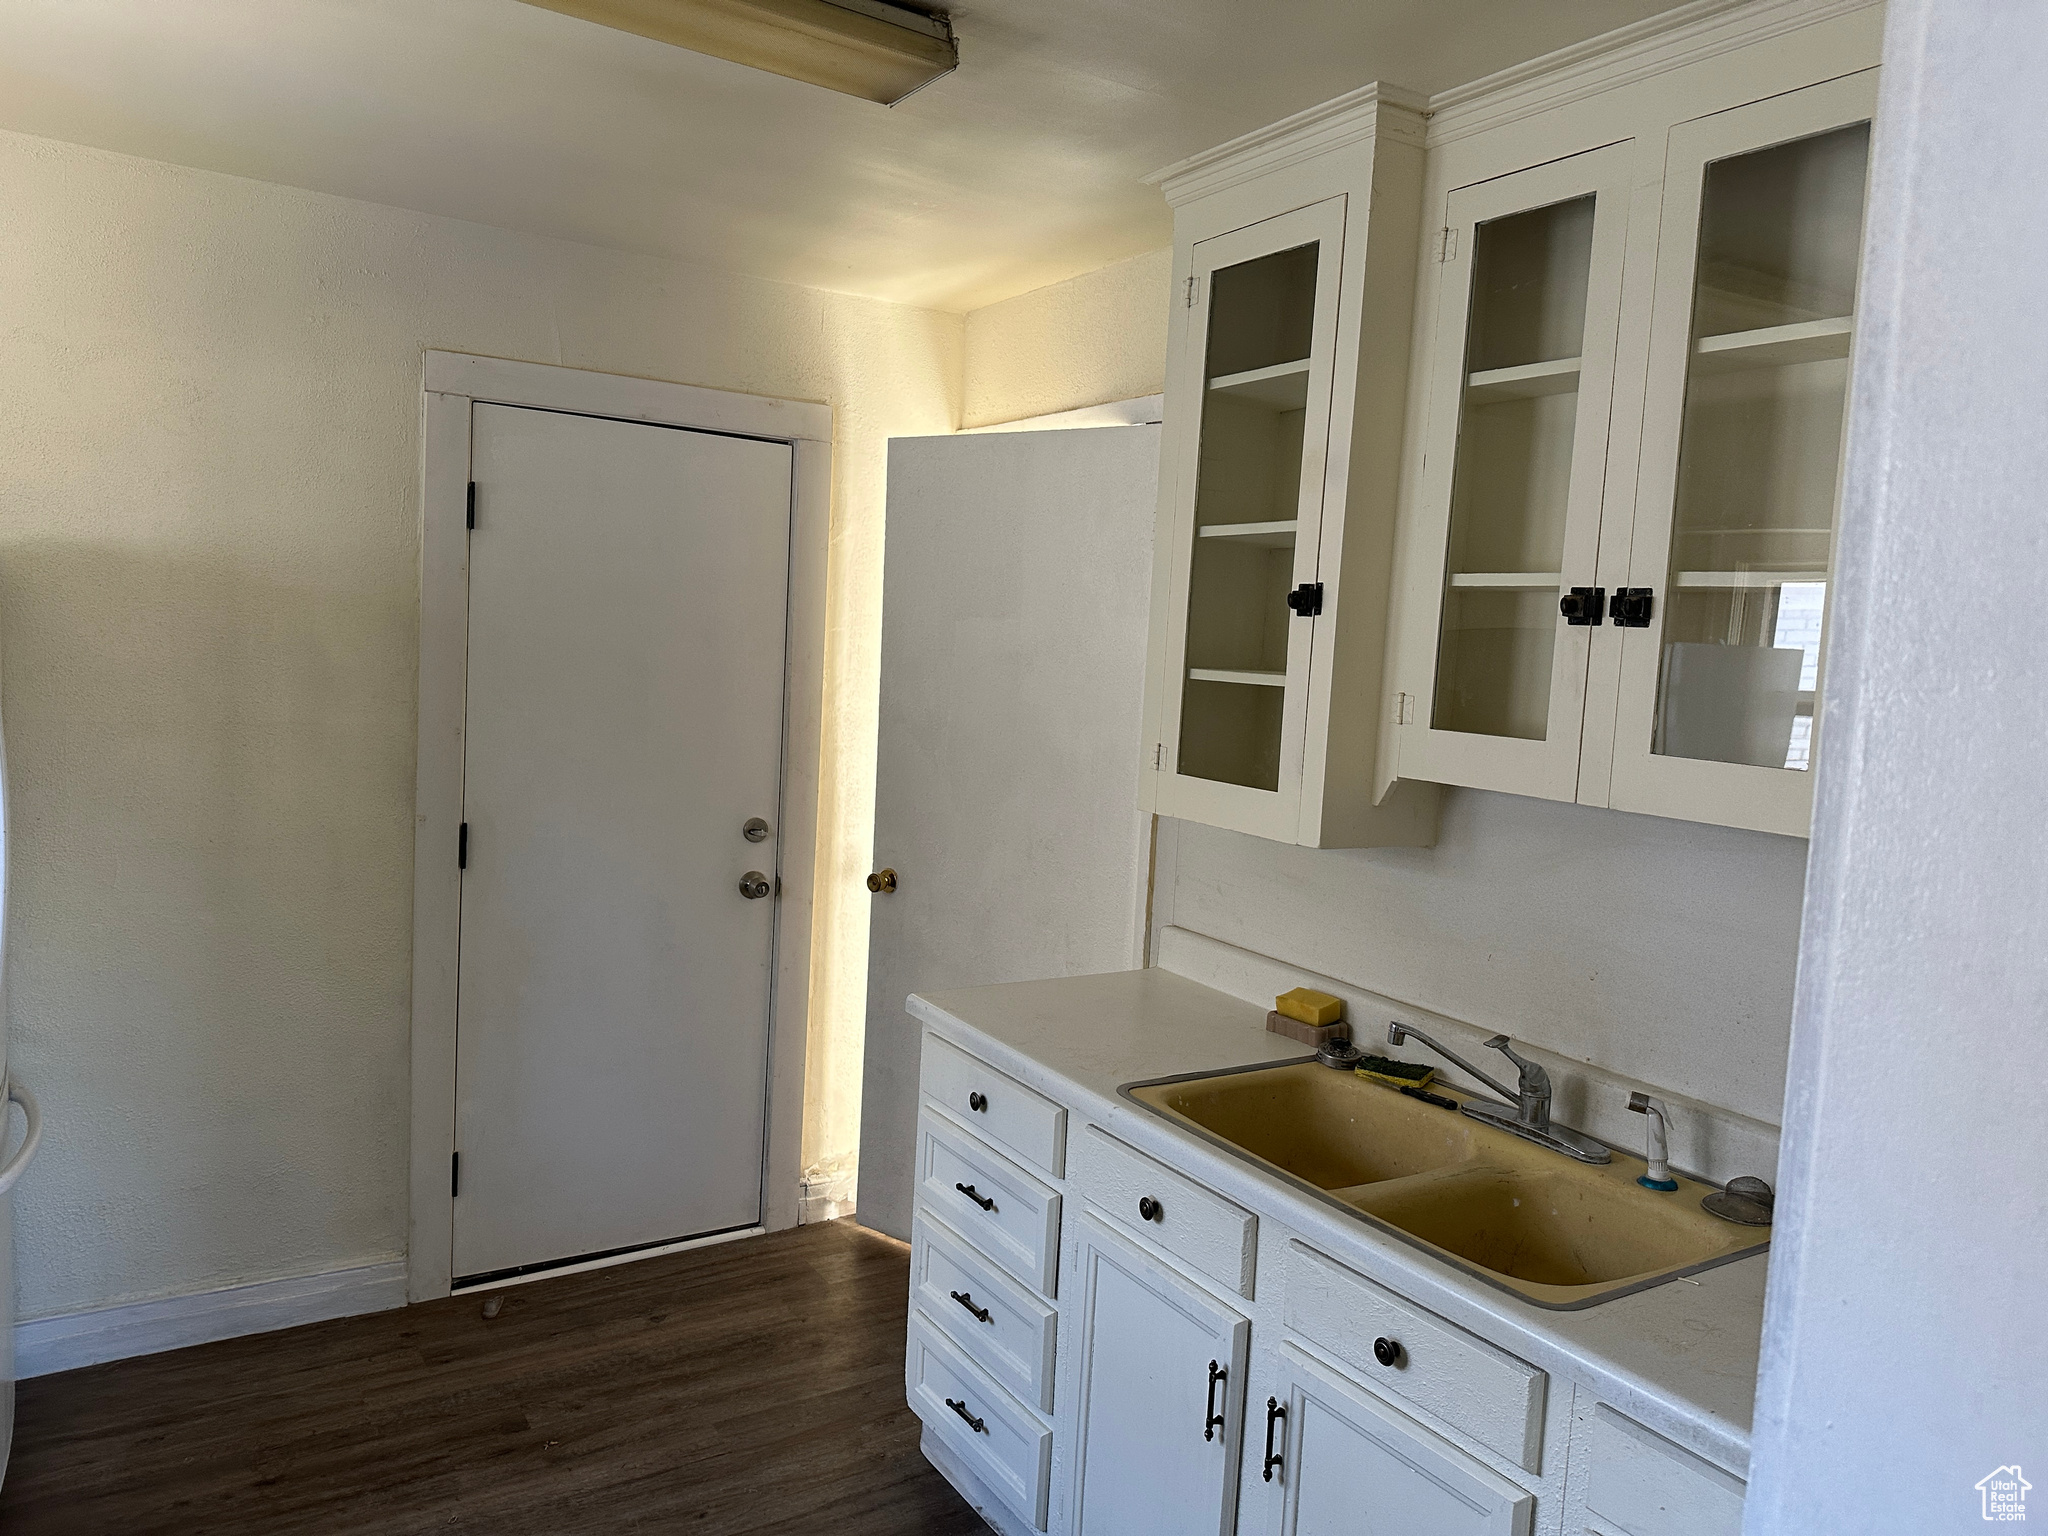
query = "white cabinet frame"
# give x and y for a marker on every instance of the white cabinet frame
(1732, 794)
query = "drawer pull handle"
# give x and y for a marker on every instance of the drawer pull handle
(1211, 1419)
(972, 1422)
(966, 1299)
(978, 1102)
(1151, 1210)
(1387, 1351)
(1275, 1412)
(976, 1196)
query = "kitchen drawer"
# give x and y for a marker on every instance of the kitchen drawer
(991, 1431)
(1201, 1228)
(1478, 1390)
(1644, 1485)
(998, 1207)
(1005, 1329)
(1027, 1125)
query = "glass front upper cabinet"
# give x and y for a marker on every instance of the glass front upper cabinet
(1248, 491)
(1516, 458)
(1721, 669)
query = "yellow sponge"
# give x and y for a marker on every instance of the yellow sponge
(1310, 1006)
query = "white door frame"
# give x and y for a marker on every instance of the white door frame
(453, 384)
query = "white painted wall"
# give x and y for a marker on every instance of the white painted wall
(1904, 1357)
(1093, 338)
(209, 405)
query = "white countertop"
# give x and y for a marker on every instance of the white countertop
(1680, 1358)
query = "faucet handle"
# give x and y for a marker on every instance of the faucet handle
(1531, 1072)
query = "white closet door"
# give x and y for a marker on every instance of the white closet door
(627, 596)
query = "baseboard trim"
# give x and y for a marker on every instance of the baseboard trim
(45, 1345)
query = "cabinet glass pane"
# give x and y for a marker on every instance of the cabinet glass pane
(1247, 504)
(1511, 485)
(1759, 459)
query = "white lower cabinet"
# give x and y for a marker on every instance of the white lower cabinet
(1349, 1464)
(1158, 1397)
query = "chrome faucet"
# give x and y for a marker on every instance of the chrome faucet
(1529, 1116)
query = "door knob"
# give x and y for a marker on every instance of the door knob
(754, 885)
(754, 829)
(883, 882)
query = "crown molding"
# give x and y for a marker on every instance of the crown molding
(1687, 35)
(1348, 119)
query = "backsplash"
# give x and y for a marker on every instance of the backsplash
(1628, 951)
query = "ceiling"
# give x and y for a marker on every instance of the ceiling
(1019, 170)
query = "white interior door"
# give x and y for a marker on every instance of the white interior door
(1015, 602)
(627, 598)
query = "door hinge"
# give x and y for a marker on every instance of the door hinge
(1306, 600)
(454, 1175)
(1446, 244)
(472, 503)
(462, 847)
(1404, 708)
(1158, 754)
(1194, 287)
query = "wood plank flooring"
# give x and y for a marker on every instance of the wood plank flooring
(755, 1387)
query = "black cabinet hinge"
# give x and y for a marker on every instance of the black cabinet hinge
(472, 503)
(462, 847)
(1306, 600)
(454, 1175)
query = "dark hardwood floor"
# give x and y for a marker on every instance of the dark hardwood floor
(752, 1387)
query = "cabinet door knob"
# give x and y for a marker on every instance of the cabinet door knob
(1387, 1351)
(976, 1196)
(1583, 605)
(883, 882)
(1630, 607)
(978, 1102)
(1275, 1412)
(966, 1299)
(1150, 1209)
(1211, 1419)
(1306, 600)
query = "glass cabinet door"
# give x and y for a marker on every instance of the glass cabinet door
(1516, 470)
(1249, 520)
(1743, 448)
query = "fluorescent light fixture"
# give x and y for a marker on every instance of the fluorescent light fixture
(866, 48)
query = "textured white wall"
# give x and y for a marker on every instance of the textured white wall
(1904, 1355)
(1092, 339)
(209, 401)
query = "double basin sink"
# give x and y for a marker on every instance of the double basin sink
(1559, 1233)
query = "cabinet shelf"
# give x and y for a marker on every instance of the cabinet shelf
(1508, 581)
(1525, 381)
(1775, 346)
(1264, 535)
(1221, 675)
(1282, 387)
(1732, 581)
